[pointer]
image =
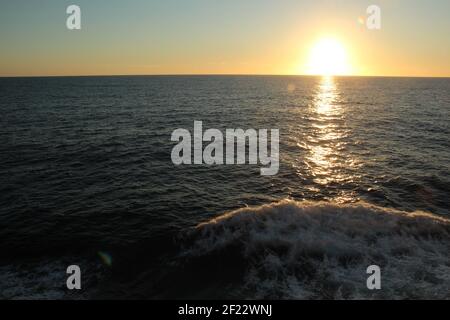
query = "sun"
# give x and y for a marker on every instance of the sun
(328, 57)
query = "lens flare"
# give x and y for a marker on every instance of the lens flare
(106, 258)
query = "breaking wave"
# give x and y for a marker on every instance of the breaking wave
(305, 250)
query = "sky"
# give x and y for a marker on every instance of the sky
(222, 37)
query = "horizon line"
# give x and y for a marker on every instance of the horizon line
(217, 74)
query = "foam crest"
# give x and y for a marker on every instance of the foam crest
(306, 250)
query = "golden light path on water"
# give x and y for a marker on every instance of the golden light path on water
(328, 160)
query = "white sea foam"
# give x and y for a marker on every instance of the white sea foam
(43, 280)
(305, 250)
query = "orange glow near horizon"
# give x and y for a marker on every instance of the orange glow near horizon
(247, 37)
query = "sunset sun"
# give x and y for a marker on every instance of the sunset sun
(328, 56)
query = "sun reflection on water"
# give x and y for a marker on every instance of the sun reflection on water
(327, 160)
(326, 96)
(324, 131)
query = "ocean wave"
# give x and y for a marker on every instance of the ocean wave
(306, 250)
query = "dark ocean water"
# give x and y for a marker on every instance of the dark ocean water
(87, 178)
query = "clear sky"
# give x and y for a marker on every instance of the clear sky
(221, 37)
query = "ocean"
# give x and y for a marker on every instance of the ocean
(87, 179)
